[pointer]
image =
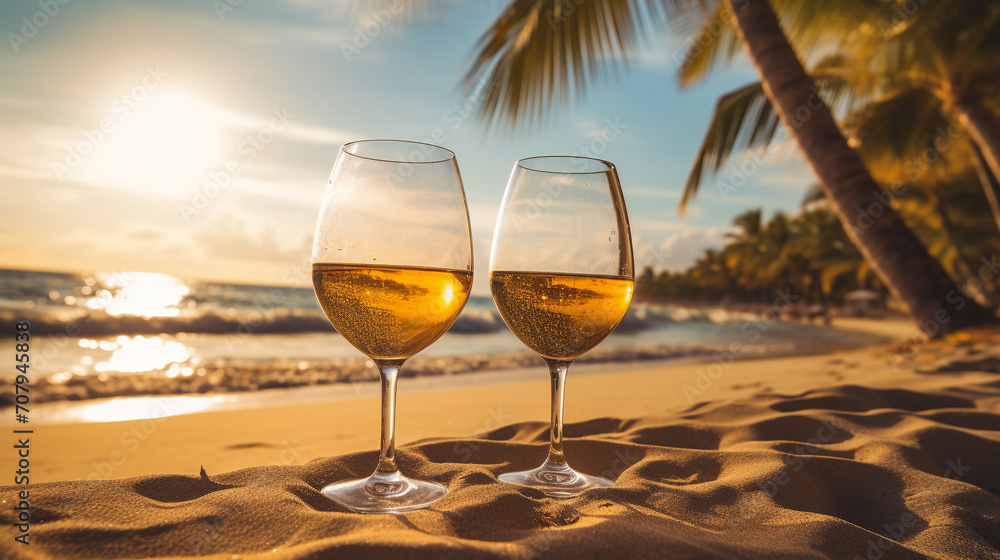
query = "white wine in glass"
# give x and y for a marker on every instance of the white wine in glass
(562, 276)
(392, 269)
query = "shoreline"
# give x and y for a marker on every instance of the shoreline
(280, 432)
(160, 405)
(221, 381)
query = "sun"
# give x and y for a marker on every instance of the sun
(164, 145)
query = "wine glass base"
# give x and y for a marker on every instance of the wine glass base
(385, 493)
(557, 481)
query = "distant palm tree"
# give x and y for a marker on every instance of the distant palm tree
(712, 272)
(748, 225)
(537, 49)
(819, 240)
(743, 251)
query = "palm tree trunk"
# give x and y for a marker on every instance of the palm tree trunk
(903, 263)
(991, 187)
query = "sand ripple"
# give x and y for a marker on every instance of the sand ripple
(846, 472)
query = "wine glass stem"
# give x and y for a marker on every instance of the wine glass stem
(389, 370)
(557, 373)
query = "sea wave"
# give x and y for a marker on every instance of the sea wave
(97, 323)
(234, 375)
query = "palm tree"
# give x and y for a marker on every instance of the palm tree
(538, 47)
(743, 251)
(950, 48)
(818, 238)
(712, 273)
(810, 253)
(938, 68)
(748, 226)
(776, 267)
(892, 249)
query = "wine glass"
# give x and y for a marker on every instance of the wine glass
(392, 269)
(562, 277)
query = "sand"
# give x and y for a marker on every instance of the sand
(887, 452)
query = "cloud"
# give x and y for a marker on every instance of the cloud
(652, 192)
(145, 235)
(166, 147)
(230, 236)
(680, 249)
(646, 224)
(317, 134)
(19, 102)
(269, 33)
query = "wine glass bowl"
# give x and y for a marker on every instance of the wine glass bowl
(392, 270)
(562, 277)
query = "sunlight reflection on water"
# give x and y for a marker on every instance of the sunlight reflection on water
(143, 294)
(141, 354)
(141, 408)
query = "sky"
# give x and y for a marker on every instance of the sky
(195, 137)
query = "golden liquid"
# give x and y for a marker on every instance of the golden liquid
(390, 312)
(560, 316)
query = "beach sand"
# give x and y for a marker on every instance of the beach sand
(884, 452)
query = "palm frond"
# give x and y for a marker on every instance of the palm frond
(402, 12)
(813, 28)
(834, 268)
(541, 51)
(814, 193)
(908, 137)
(742, 119)
(745, 120)
(714, 41)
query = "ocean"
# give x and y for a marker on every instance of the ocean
(130, 333)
